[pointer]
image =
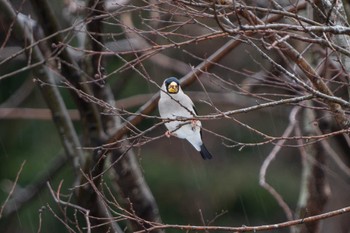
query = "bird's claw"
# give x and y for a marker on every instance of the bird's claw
(194, 124)
(168, 134)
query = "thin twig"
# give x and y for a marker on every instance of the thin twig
(57, 199)
(271, 156)
(12, 189)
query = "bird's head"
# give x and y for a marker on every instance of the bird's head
(172, 85)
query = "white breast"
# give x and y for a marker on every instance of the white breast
(177, 106)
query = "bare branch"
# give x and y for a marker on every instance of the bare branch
(271, 156)
(275, 226)
(12, 189)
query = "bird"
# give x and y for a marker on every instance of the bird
(174, 108)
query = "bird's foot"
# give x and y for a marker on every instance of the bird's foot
(168, 134)
(194, 123)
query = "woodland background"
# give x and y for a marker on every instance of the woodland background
(82, 147)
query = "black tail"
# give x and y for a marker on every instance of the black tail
(205, 153)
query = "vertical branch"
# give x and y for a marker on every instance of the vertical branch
(271, 156)
(132, 186)
(314, 191)
(336, 15)
(70, 71)
(51, 94)
(92, 127)
(134, 189)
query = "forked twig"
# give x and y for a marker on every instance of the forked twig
(57, 199)
(272, 156)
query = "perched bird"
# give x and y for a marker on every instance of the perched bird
(175, 104)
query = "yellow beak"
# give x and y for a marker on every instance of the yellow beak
(173, 88)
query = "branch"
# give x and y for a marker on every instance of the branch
(280, 27)
(86, 212)
(209, 63)
(321, 88)
(12, 189)
(314, 190)
(276, 226)
(137, 42)
(25, 195)
(69, 68)
(271, 156)
(135, 189)
(63, 123)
